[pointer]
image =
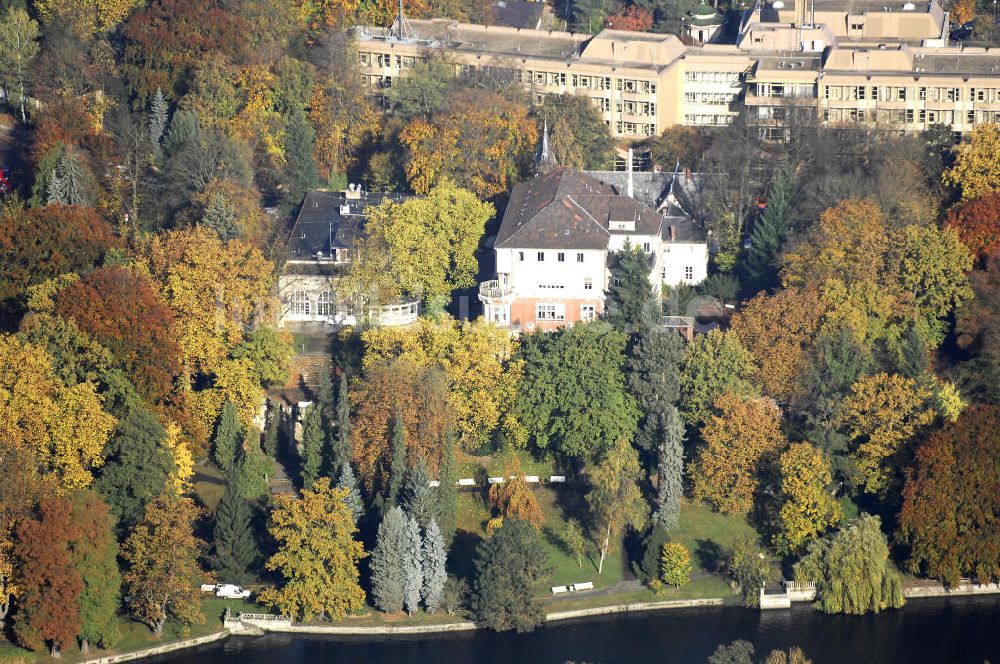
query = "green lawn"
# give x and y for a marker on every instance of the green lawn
(708, 534)
(209, 484)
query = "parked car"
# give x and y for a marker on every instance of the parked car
(227, 590)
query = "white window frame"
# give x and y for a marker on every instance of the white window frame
(300, 304)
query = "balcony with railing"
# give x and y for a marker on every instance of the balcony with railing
(495, 291)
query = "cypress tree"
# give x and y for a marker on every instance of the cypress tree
(418, 497)
(301, 173)
(447, 492)
(251, 469)
(343, 451)
(235, 545)
(94, 554)
(312, 445)
(157, 118)
(397, 471)
(413, 566)
(227, 437)
(221, 218)
(671, 467)
(387, 560)
(434, 559)
(272, 430)
(769, 233)
(653, 370)
(347, 480)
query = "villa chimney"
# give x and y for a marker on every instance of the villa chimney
(673, 233)
(629, 188)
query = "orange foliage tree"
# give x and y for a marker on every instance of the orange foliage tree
(951, 501)
(977, 223)
(482, 142)
(420, 395)
(740, 440)
(345, 122)
(121, 310)
(631, 18)
(513, 498)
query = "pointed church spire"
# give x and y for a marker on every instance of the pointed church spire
(545, 141)
(546, 160)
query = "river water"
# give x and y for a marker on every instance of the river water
(935, 631)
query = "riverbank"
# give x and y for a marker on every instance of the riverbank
(159, 650)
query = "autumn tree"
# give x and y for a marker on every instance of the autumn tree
(509, 565)
(675, 564)
(950, 501)
(739, 441)
(976, 170)
(807, 508)
(137, 466)
(317, 555)
(513, 498)
(578, 135)
(18, 47)
(161, 555)
(631, 17)
(883, 412)
(852, 570)
(565, 373)
(714, 364)
(482, 142)
(615, 499)
(345, 121)
(780, 352)
(420, 396)
(679, 145)
(574, 540)
(977, 223)
(65, 428)
(977, 335)
(214, 288)
(477, 360)
(48, 610)
(422, 247)
(123, 312)
(41, 243)
(94, 553)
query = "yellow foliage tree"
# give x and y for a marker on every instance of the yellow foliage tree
(881, 412)
(513, 498)
(740, 438)
(317, 555)
(258, 122)
(345, 121)
(963, 11)
(65, 428)
(215, 290)
(477, 360)
(807, 510)
(976, 170)
(180, 477)
(86, 16)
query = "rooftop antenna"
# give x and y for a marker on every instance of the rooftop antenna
(401, 28)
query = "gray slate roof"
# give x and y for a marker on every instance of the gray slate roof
(517, 13)
(327, 220)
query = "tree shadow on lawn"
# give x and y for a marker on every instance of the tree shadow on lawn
(711, 556)
(462, 558)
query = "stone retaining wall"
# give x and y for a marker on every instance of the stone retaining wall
(159, 650)
(633, 608)
(965, 587)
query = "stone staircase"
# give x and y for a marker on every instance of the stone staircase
(308, 369)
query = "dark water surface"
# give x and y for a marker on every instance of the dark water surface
(927, 630)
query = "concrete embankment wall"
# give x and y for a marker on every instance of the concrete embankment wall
(159, 650)
(965, 587)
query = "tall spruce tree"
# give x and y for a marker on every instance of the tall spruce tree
(418, 497)
(228, 433)
(670, 471)
(251, 469)
(509, 566)
(652, 373)
(235, 544)
(157, 119)
(769, 233)
(221, 218)
(413, 566)
(343, 452)
(313, 440)
(347, 480)
(69, 182)
(630, 301)
(387, 561)
(447, 491)
(397, 471)
(434, 558)
(94, 553)
(301, 174)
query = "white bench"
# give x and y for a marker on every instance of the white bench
(588, 585)
(467, 482)
(495, 480)
(531, 479)
(434, 483)
(557, 478)
(557, 590)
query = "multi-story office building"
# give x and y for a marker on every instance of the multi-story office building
(857, 61)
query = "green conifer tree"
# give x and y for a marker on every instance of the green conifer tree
(769, 233)
(434, 562)
(387, 560)
(670, 471)
(69, 184)
(95, 556)
(272, 430)
(342, 449)
(397, 470)
(221, 218)
(418, 497)
(301, 174)
(157, 119)
(313, 441)
(630, 300)
(228, 433)
(347, 480)
(413, 566)
(252, 468)
(235, 544)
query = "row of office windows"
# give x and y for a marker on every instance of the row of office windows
(708, 119)
(557, 312)
(722, 77)
(904, 93)
(560, 256)
(710, 98)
